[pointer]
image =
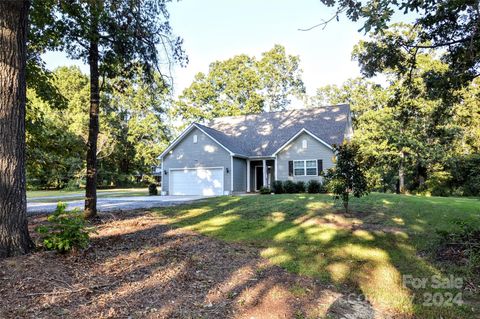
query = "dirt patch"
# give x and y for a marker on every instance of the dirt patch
(139, 267)
(452, 253)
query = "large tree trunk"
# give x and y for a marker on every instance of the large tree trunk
(93, 127)
(14, 237)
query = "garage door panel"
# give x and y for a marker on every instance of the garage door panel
(199, 181)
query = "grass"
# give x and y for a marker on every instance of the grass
(368, 252)
(55, 195)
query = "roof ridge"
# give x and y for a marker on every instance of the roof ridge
(279, 111)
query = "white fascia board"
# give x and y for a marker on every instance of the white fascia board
(303, 130)
(184, 133)
(176, 141)
(223, 146)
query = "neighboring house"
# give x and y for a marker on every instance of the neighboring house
(244, 153)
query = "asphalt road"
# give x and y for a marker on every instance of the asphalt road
(111, 203)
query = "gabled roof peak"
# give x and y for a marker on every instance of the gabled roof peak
(263, 134)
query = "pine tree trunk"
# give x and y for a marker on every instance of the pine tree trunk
(14, 237)
(93, 126)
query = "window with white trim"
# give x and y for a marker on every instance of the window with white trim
(305, 168)
(304, 144)
(195, 139)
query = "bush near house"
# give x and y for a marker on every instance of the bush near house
(265, 190)
(277, 187)
(314, 187)
(290, 187)
(152, 189)
(300, 187)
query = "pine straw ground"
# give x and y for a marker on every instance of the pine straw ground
(139, 267)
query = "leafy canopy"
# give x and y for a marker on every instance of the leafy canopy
(134, 130)
(128, 33)
(242, 85)
(451, 26)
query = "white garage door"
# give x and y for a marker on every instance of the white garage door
(197, 181)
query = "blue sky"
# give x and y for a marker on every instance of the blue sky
(216, 30)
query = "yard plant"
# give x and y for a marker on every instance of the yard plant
(347, 176)
(64, 230)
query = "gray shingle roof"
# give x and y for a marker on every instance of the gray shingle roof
(263, 134)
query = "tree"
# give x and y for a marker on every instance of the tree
(242, 85)
(134, 122)
(347, 176)
(419, 130)
(362, 96)
(407, 133)
(114, 37)
(280, 77)
(136, 119)
(55, 136)
(14, 236)
(450, 26)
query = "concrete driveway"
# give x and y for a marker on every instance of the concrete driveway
(111, 203)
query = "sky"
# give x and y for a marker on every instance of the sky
(219, 29)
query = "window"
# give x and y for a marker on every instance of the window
(299, 168)
(195, 139)
(304, 144)
(305, 168)
(311, 168)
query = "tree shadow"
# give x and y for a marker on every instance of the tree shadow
(140, 267)
(321, 262)
(367, 253)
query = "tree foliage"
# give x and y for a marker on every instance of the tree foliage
(134, 131)
(408, 134)
(115, 38)
(347, 176)
(242, 85)
(451, 26)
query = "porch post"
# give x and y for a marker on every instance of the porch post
(248, 175)
(264, 163)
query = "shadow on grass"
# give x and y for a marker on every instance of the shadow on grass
(139, 267)
(366, 253)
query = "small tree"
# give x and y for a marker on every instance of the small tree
(347, 177)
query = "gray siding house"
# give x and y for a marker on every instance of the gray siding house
(239, 154)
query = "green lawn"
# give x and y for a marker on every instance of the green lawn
(392, 236)
(56, 195)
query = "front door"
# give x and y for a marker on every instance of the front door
(258, 177)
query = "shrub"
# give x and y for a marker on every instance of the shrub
(152, 189)
(289, 187)
(64, 230)
(314, 187)
(300, 185)
(277, 187)
(265, 190)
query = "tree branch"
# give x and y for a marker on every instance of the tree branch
(433, 46)
(324, 23)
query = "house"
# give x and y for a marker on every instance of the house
(243, 153)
